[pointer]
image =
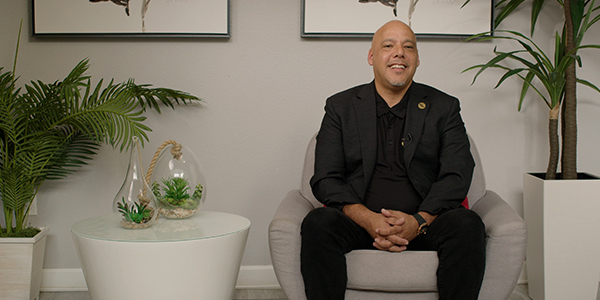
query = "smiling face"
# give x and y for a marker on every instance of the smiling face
(394, 57)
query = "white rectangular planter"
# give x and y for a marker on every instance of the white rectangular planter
(21, 261)
(563, 244)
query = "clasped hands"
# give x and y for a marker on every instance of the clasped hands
(392, 230)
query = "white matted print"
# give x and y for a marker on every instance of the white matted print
(204, 18)
(361, 18)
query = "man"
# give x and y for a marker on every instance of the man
(392, 166)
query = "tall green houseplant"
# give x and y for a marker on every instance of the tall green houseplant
(557, 73)
(48, 130)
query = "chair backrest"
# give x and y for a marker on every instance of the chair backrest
(476, 191)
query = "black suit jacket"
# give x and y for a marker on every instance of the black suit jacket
(436, 149)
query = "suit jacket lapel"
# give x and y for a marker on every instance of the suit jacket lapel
(416, 112)
(366, 115)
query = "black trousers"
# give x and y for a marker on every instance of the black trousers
(458, 236)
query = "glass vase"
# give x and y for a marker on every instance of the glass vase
(135, 201)
(177, 182)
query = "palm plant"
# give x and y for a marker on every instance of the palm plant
(47, 131)
(556, 73)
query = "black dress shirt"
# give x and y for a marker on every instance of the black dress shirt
(390, 187)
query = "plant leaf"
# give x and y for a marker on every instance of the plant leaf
(536, 8)
(506, 11)
(588, 84)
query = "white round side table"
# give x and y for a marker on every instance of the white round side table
(195, 258)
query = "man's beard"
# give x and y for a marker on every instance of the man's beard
(398, 83)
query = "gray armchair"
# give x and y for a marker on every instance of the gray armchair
(375, 275)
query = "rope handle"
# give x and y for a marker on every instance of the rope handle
(175, 151)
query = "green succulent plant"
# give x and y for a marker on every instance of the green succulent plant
(138, 213)
(198, 191)
(174, 191)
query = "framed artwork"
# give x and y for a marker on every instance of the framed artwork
(130, 18)
(361, 18)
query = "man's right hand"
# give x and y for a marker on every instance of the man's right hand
(371, 221)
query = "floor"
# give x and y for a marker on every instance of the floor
(245, 294)
(520, 293)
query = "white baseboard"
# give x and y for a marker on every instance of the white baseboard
(63, 280)
(257, 277)
(72, 280)
(250, 277)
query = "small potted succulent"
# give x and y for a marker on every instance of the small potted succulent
(175, 198)
(135, 216)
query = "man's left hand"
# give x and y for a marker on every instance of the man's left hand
(402, 226)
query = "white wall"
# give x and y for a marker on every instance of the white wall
(265, 88)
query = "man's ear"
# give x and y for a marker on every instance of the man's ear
(370, 57)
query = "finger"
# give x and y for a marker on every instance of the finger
(397, 248)
(383, 244)
(396, 218)
(396, 240)
(387, 213)
(386, 231)
(399, 222)
(394, 228)
(378, 247)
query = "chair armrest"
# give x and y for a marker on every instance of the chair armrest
(506, 243)
(284, 243)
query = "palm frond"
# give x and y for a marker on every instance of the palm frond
(76, 149)
(594, 20)
(17, 189)
(506, 11)
(581, 20)
(147, 96)
(588, 84)
(541, 67)
(536, 8)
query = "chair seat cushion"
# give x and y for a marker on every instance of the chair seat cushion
(408, 271)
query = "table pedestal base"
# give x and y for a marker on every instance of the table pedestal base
(204, 269)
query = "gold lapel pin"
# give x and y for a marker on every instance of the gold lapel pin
(422, 105)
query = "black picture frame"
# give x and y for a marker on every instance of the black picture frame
(130, 18)
(360, 18)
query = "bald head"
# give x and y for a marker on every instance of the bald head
(394, 58)
(394, 25)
